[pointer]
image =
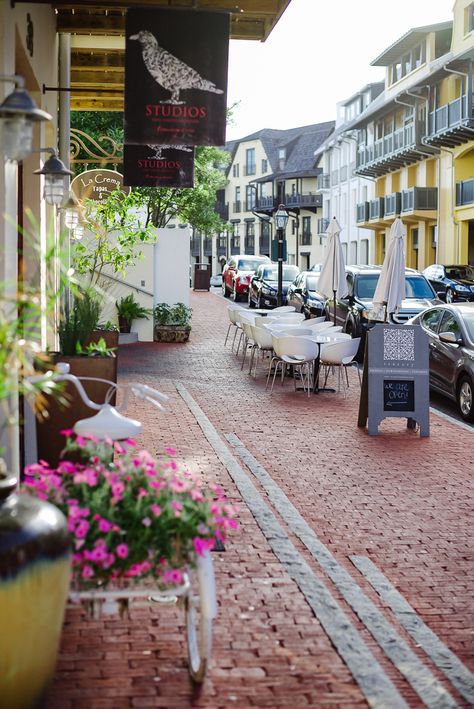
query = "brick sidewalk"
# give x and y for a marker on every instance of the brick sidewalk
(395, 504)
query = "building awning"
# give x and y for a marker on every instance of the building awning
(97, 31)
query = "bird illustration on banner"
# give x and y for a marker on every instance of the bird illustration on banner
(158, 150)
(168, 71)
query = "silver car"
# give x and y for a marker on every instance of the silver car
(450, 331)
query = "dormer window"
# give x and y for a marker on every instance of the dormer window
(281, 157)
(408, 63)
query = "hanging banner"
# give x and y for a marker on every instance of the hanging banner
(158, 165)
(175, 77)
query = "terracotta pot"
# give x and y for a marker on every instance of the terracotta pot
(34, 583)
(50, 441)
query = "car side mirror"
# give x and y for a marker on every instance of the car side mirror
(441, 294)
(450, 338)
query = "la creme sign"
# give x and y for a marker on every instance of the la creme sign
(97, 184)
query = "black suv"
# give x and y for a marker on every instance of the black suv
(353, 309)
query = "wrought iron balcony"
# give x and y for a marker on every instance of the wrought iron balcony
(306, 238)
(221, 247)
(451, 124)
(323, 224)
(362, 212)
(235, 245)
(249, 244)
(323, 182)
(237, 207)
(222, 209)
(395, 150)
(464, 192)
(419, 198)
(393, 204)
(376, 208)
(207, 246)
(304, 201)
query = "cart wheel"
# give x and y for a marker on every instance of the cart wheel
(200, 609)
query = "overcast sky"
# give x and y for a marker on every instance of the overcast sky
(319, 53)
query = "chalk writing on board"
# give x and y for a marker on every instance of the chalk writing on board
(398, 395)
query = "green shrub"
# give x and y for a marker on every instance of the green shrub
(178, 314)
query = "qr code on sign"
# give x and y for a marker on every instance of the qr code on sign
(398, 344)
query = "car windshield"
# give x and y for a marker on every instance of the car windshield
(248, 264)
(365, 286)
(289, 273)
(417, 287)
(463, 272)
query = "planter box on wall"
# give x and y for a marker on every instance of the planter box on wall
(171, 333)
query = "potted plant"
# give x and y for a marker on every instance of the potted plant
(172, 323)
(129, 309)
(130, 517)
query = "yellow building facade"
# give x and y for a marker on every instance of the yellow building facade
(417, 142)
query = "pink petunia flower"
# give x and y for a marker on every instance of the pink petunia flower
(156, 509)
(122, 551)
(146, 521)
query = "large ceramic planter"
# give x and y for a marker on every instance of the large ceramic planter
(171, 333)
(34, 583)
(49, 439)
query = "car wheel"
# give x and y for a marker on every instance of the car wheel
(260, 303)
(466, 398)
(225, 292)
(449, 295)
(306, 314)
(234, 295)
(251, 303)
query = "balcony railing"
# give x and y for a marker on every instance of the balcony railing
(250, 170)
(267, 203)
(235, 245)
(393, 204)
(222, 209)
(249, 244)
(393, 151)
(237, 206)
(221, 247)
(464, 192)
(452, 124)
(323, 224)
(362, 212)
(323, 182)
(306, 238)
(304, 201)
(376, 208)
(419, 198)
(207, 247)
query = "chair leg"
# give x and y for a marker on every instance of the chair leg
(275, 373)
(272, 360)
(228, 330)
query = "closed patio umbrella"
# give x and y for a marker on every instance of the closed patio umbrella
(390, 290)
(332, 277)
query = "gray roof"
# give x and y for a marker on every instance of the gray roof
(300, 144)
(407, 41)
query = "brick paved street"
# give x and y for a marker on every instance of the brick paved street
(305, 617)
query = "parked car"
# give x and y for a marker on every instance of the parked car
(216, 280)
(450, 331)
(303, 295)
(353, 310)
(264, 285)
(452, 283)
(236, 275)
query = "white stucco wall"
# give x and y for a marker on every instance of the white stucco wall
(171, 266)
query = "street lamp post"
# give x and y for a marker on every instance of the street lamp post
(281, 220)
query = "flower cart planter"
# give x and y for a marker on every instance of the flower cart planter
(197, 594)
(171, 333)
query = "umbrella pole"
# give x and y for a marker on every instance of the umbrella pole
(334, 307)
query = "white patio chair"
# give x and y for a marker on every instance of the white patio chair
(315, 321)
(275, 361)
(287, 317)
(341, 355)
(242, 316)
(263, 340)
(299, 353)
(284, 309)
(232, 314)
(293, 330)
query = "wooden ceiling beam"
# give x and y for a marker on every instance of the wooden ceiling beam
(96, 103)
